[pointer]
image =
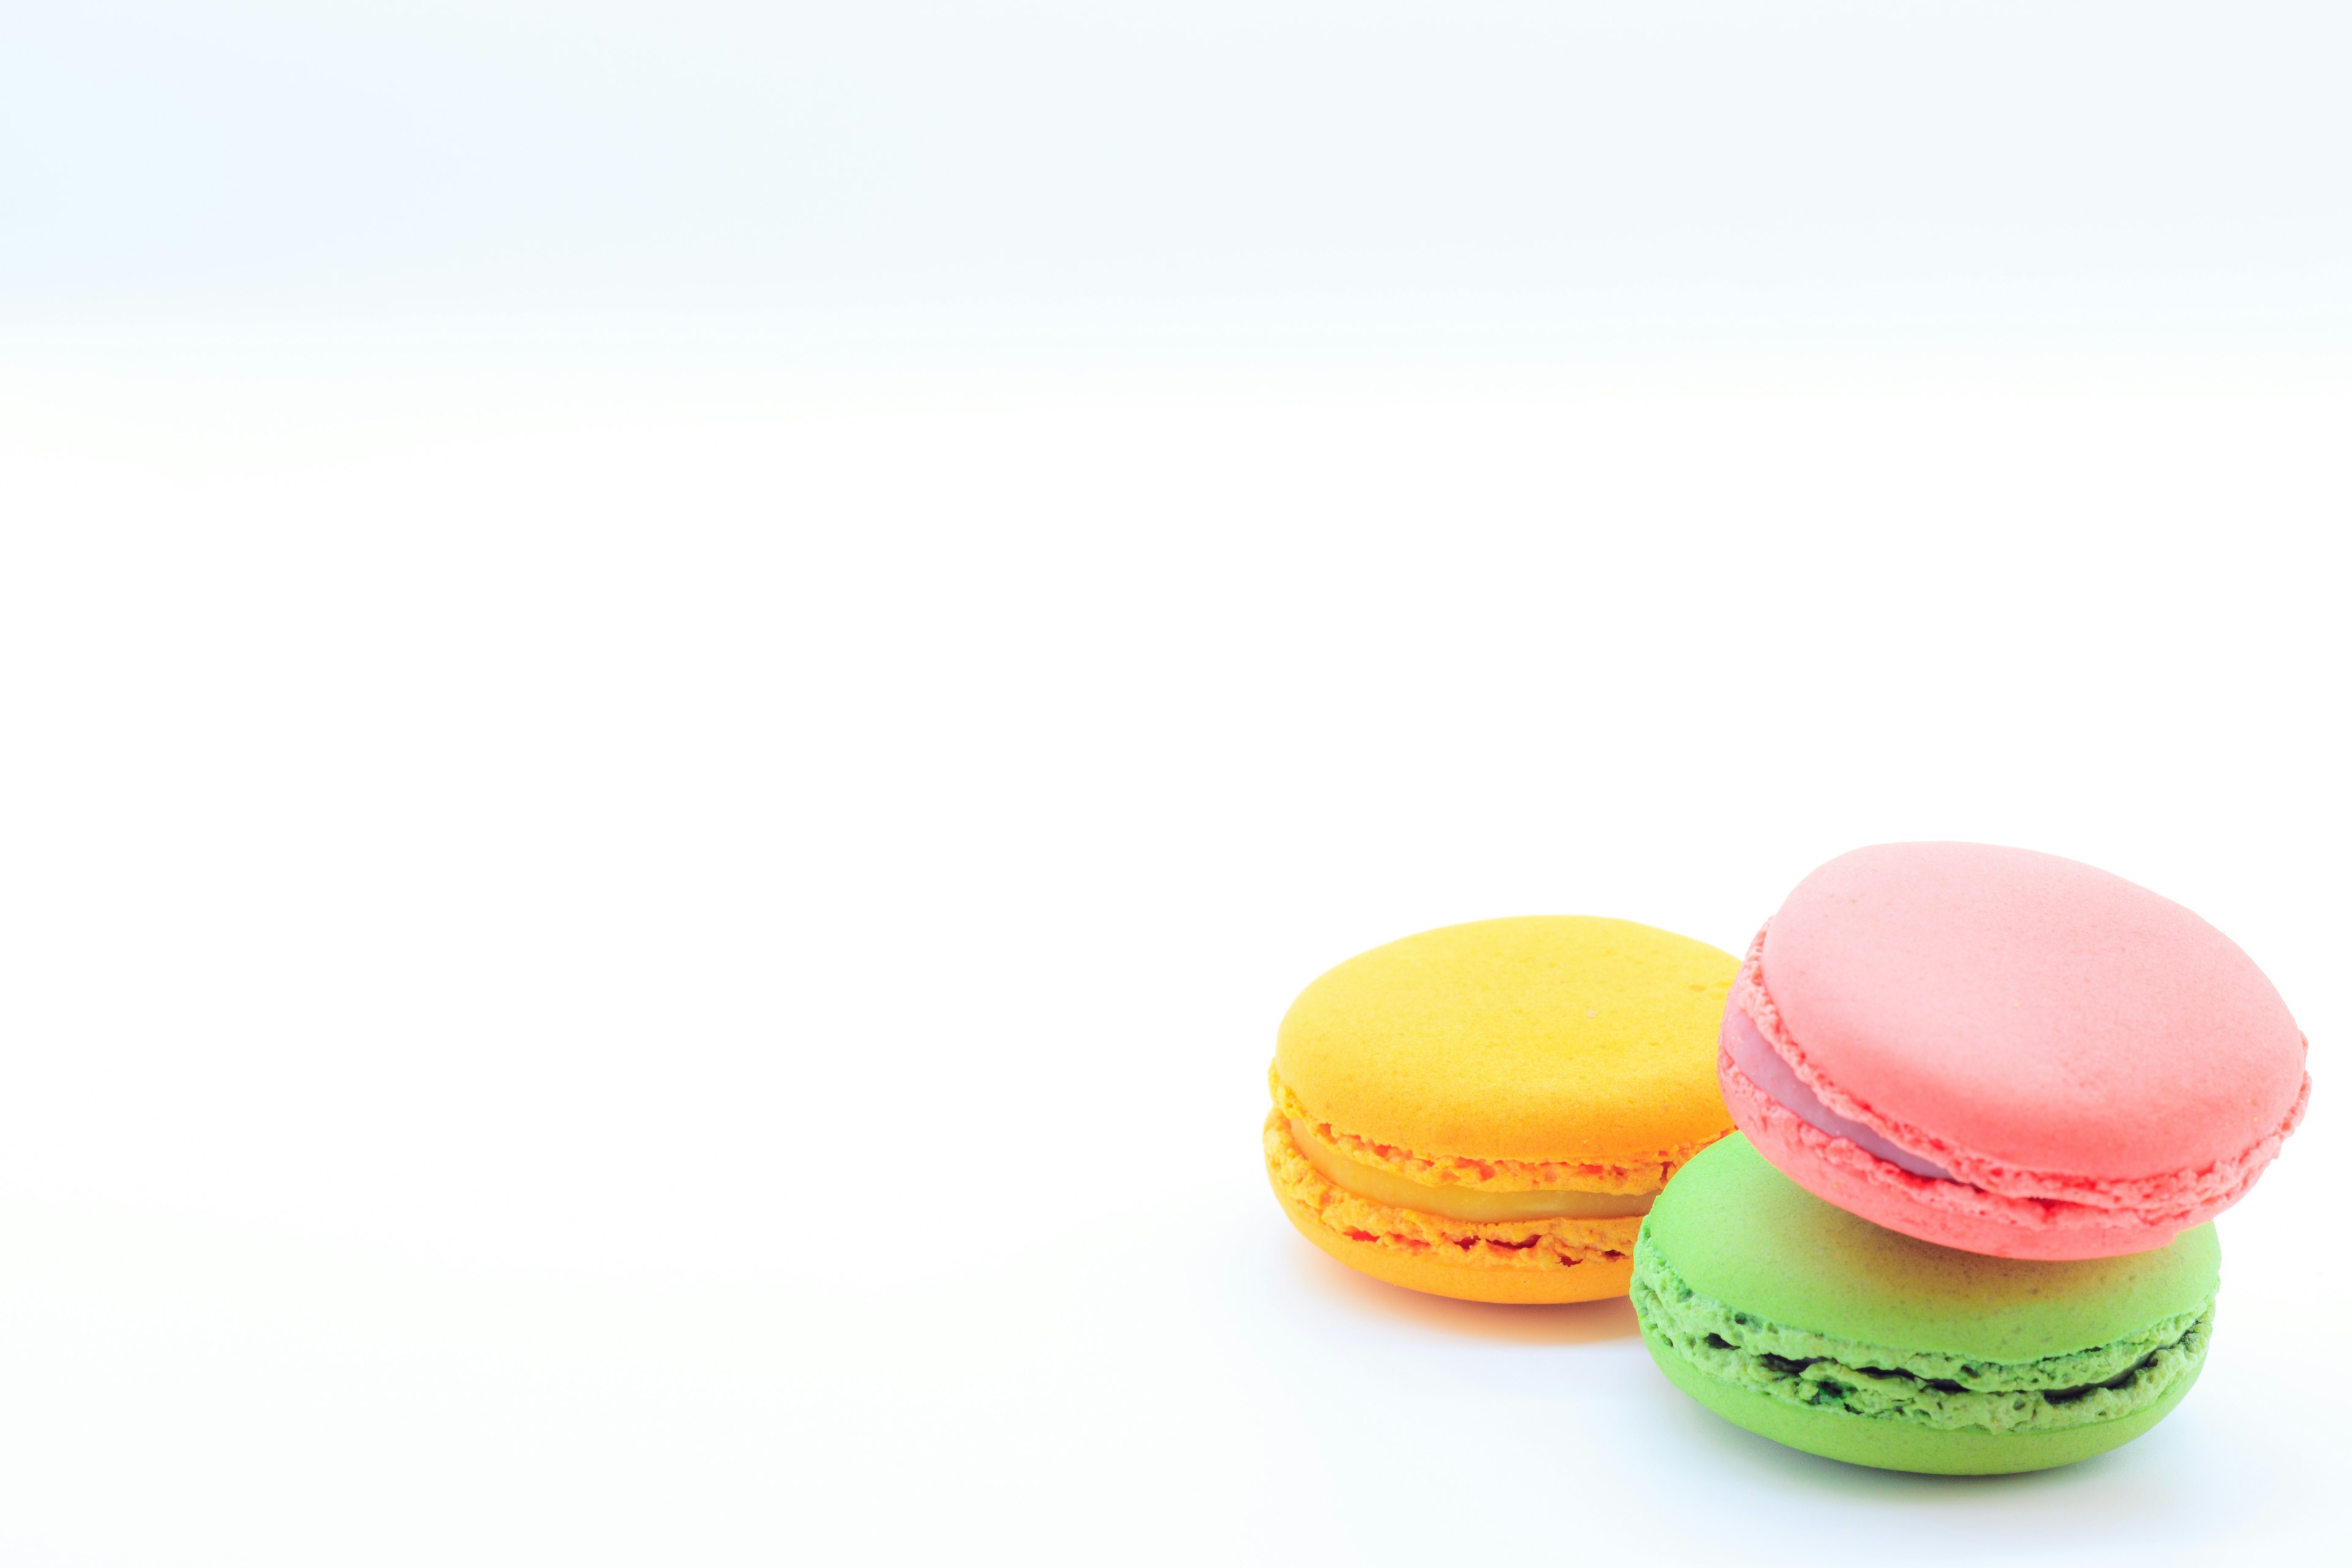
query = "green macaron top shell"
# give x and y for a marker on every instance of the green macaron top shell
(1735, 1229)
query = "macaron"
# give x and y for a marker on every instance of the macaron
(1816, 1328)
(1487, 1110)
(2007, 1052)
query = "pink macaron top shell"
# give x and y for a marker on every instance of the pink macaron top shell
(2037, 1027)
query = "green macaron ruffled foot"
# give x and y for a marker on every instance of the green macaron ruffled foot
(1833, 1335)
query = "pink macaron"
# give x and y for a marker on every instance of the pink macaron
(2008, 1053)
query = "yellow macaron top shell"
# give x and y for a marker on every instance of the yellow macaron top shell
(1562, 1051)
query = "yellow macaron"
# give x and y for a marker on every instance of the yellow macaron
(1487, 1111)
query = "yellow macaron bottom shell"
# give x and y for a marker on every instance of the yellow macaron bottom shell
(1384, 1186)
(1554, 1259)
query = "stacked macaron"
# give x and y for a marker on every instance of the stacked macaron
(1987, 1103)
(1991, 1100)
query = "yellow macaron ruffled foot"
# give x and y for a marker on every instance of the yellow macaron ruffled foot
(1487, 1111)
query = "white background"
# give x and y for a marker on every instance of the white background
(679, 695)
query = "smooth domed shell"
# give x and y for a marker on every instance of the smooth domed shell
(1739, 1231)
(2030, 1009)
(1536, 1038)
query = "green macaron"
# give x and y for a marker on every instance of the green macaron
(1823, 1332)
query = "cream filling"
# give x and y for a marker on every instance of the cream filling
(1462, 1203)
